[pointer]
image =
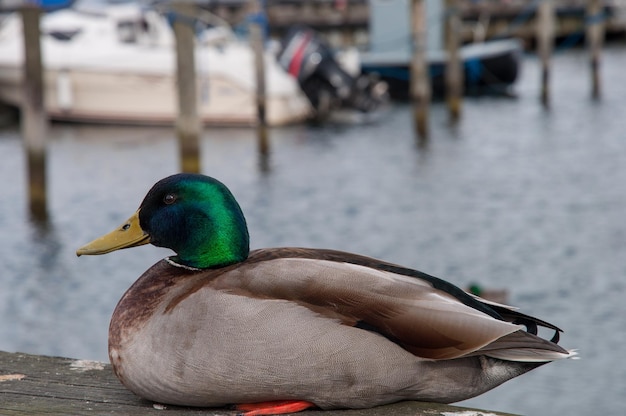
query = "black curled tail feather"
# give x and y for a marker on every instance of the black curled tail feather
(530, 322)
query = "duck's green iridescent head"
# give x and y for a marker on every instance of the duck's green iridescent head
(194, 215)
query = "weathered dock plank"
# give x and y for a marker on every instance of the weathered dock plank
(39, 385)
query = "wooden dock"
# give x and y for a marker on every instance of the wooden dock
(346, 22)
(485, 20)
(39, 385)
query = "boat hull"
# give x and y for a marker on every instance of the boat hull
(96, 97)
(492, 67)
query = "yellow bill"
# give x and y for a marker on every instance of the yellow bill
(127, 235)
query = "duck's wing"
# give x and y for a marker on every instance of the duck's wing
(427, 316)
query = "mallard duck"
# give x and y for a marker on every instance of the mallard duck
(278, 330)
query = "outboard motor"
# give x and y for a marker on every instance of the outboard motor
(306, 56)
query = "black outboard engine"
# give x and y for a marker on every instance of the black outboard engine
(328, 86)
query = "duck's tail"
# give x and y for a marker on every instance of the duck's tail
(463, 378)
(522, 346)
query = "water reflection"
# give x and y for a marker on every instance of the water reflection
(263, 147)
(38, 292)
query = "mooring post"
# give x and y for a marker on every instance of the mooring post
(34, 118)
(545, 43)
(595, 37)
(454, 65)
(188, 125)
(257, 25)
(420, 85)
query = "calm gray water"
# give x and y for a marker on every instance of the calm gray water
(514, 197)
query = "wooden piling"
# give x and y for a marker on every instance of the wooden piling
(595, 36)
(34, 118)
(257, 41)
(545, 44)
(454, 64)
(420, 84)
(188, 125)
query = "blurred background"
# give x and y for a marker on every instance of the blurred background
(517, 196)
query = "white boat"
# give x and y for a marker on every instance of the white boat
(118, 66)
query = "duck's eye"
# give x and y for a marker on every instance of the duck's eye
(169, 199)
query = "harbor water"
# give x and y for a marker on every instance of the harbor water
(514, 197)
